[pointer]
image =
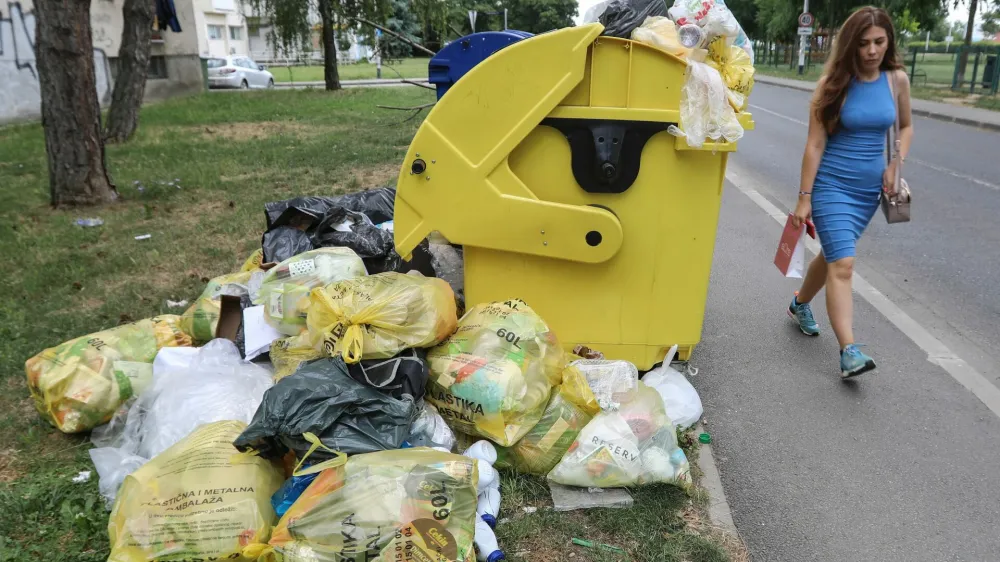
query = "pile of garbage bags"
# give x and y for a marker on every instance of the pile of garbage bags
(706, 35)
(338, 408)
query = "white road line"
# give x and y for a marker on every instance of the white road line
(934, 167)
(937, 352)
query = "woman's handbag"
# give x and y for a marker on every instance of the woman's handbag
(895, 207)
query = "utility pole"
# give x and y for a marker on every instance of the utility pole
(802, 42)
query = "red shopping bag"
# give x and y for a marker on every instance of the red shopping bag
(791, 256)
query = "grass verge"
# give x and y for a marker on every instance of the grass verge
(407, 68)
(195, 178)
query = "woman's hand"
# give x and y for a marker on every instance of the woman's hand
(889, 178)
(803, 212)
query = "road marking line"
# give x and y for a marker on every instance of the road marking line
(934, 167)
(937, 352)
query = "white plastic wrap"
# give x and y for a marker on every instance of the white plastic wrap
(216, 385)
(611, 381)
(715, 18)
(705, 110)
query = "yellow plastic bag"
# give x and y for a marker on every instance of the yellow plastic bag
(662, 33)
(284, 291)
(288, 353)
(202, 317)
(79, 384)
(414, 504)
(737, 71)
(493, 377)
(378, 316)
(253, 262)
(570, 409)
(198, 500)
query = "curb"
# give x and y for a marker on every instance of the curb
(985, 125)
(719, 511)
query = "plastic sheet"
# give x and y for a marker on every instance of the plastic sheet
(284, 289)
(380, 315)
(321, 398)
(493, 377)
(416, 501)
(621, 17)
(79, 384)
(636, 444)
(199, 500)
(706, 113)
(612, 382)
(217, 385)
(680, 399)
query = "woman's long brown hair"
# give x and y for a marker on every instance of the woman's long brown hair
(844, 62)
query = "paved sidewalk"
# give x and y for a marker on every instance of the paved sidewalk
(971, 116)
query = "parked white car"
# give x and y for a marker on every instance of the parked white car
(238, 72)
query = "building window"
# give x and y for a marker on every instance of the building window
(224, 5)
(157, 68)
(215, 32)
(236, 33)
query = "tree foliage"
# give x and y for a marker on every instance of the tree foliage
(402, 20)
(777, 19)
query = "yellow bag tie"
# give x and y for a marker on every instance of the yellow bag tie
(258, 551)
(339, 460)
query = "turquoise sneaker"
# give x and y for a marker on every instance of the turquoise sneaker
(803, 314)
(854, 363)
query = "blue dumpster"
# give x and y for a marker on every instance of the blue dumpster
(459, 56)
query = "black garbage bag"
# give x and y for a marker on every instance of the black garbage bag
(322, 398)
(284, 242)
(376, 204)
(621, 17)
(403, 375)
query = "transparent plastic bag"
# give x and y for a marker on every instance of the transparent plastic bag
(216, 386)
(662, 33)
(284, 290)
(377, 316)
(706, 113)
(634, 445)
(736, 68)
(612, 382)
(430, 430)
(493, 377)
(570, 409)
(79, 384)
(198, 500)
(418, 501)
(715, 18)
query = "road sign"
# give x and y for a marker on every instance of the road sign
(806, 20)
(805, 31)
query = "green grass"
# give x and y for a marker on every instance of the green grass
(989, 102)
(229, 154)
(407, 68)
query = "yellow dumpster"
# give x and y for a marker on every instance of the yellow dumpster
(551, 163)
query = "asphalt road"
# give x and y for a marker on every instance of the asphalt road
(898, 465)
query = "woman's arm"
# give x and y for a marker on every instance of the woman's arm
(815, 145)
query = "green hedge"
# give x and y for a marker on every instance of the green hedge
(940, 46)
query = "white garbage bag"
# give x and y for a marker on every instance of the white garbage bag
(680, 399)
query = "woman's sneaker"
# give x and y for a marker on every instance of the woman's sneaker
(803, 314)
(854, 363)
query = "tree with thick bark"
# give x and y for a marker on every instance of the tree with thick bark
(71, 111)
(133, 69)
(331, 74)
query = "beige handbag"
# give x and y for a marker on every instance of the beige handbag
(895, 207)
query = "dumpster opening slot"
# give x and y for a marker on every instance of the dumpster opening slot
(606, 154)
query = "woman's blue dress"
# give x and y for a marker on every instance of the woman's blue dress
(849, 180)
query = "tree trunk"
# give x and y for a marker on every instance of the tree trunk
(133, 67)
(330, 72)
(963, 61)
(71, 112)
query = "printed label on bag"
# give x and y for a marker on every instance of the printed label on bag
(553, 434)
(303, 267)
(275, 308)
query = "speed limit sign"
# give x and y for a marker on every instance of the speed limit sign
(806, 20)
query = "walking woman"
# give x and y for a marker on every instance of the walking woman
(844, 169)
